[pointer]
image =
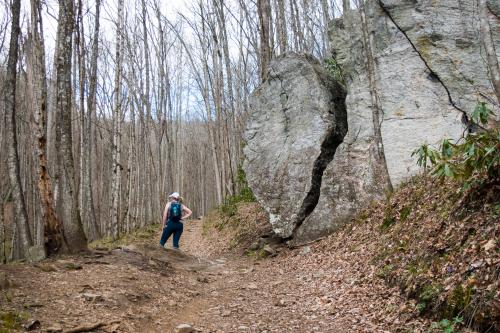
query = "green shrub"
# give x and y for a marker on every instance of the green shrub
(387, 223)
(11, 321)
(458, 300)
(245, 194)
(405, 211)
(334, 69)
(427, 296)
(472, 161)
(446, 325)
(389, 218)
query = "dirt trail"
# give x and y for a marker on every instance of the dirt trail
(143, 288)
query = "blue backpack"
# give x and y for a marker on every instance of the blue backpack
(175, 213)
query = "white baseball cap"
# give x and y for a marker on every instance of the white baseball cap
(174, 195)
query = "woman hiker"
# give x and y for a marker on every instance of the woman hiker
(173, 214)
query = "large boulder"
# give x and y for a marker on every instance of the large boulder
(298, 119)
(430, 73)
(416, 110)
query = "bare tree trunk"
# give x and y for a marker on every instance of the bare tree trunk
(346, 7)
(53, 231)
(117, 118)
(282, 31)
(489, 47)
(15, 245)
(326, 20)
(377, 115)
(129, 217)
(264, 9)
(211, 135)
(84, 135)
(296, 26)
(165, 111)
(3, 238)
(229, 78)
(73, 230)
(10, 109)
(91, 117)
(309, 35)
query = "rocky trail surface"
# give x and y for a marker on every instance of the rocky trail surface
(143, 288)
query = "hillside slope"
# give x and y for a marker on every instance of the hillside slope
(435, 247)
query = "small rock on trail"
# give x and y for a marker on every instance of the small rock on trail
(184, 328)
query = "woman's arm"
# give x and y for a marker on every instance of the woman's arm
(165, 214)
(187, 211)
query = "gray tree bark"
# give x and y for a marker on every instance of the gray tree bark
(53, 231)
(264, 10)
(282, 31)
(117, 119)
(377, 114)
(89, 128)
(73, 229)
(489, 47)
(13, 154)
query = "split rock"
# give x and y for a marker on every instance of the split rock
(297, 120)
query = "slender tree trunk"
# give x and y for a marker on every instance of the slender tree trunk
(53, 231)
(209, 123)
(15, 244)
(129, 218)
(489, 47)
(117, 115)
(309, 35)
(297, 26)
(91, 117)
(282, 30)
(84, 135)
(377, 115)
(326, 21)
(73, 230)
(346, 7)
(264, 10)
(3, 238)
(231, 110)
(10, 109)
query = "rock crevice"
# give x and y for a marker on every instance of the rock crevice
(298, 121)
(329, 146)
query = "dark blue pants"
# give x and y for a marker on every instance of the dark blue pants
(170, 228)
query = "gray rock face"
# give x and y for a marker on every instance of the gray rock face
(298, 119)
(430, 74)
(446, 35)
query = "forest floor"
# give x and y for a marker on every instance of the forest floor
(442, 260)
(141, 287)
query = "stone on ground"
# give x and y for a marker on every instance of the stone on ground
(184, 328)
